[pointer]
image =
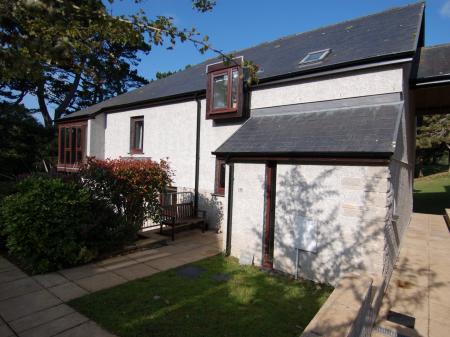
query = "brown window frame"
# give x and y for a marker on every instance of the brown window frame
(218, 189)
(133, 121)
(68, 154)
(229, 111)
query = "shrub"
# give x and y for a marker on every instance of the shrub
(46, 222)
(130, 187)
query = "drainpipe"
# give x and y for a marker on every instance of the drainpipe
(230, 209)
(197, 153)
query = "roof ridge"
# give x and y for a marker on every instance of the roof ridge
(437, 45)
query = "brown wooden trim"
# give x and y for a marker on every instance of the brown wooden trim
(133, 121)
(219, 190)
(237, 62)
(269, 215)
(64, 148)
(229, 111)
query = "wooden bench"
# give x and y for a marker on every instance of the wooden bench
(181, 215)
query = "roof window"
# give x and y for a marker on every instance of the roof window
(315, 56)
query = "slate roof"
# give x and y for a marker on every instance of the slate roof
(386, 35)
(351, 131)
(434, 63)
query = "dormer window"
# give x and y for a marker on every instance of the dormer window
(224, 91)
(315, 56)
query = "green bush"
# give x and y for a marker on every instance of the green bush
(45, 222)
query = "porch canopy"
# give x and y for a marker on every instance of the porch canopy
(432, 82)
(368, 131)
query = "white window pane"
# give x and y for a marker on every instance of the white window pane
(139, 135)
(234, 88)
(220, 91)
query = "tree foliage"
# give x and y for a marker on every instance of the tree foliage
(131, 187)
(23, 141)
(433, 135)
(71, 54)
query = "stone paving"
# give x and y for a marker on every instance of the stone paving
(420, 284)
(34, 306)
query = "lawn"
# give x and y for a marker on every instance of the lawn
(432, 193)
(249, 303)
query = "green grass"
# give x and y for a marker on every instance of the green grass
(250, 303)
(432, 193)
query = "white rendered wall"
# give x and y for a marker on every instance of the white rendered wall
(348, 205)
(355, 84)
(96, 137)
(170, 130)
(248, 211)
(169, 133)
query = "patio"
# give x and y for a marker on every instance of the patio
(34, 306)
(420, 284)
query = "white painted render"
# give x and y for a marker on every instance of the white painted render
(96, 137)
(169, 133)
(351, 204)
(348, 205)
(248, 211)
(355, 84)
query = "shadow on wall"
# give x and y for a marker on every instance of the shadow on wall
(348, 239)
(213, 206)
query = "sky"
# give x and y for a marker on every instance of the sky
(234, 24)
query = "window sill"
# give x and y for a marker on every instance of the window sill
(218, 195)
(135, 153)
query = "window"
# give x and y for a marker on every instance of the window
(224, 92)
(71, 145)
(137, 135)
(220, 177)
(315, 56)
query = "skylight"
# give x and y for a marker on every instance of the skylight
(315, 56)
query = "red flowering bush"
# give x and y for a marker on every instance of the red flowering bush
(130, 187)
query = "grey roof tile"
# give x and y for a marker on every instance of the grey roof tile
(349, 131)
(434, 63)
(389, 33)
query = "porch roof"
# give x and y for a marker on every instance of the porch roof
(434, 64)
(364, 131)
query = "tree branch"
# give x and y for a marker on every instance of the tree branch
(69, 96)
(42, 105)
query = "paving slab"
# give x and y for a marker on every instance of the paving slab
(41, 317)
(68, 291)
(100, 281)
(11, 275)
(165, 263)
(19, 287)
(88, 329)
(50, 279)
(21, 306)
(5, 331)
(136, 271)
(420, 283)
(56, 326)
(117, 263)
(82, 272)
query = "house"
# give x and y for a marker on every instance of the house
(308, 171)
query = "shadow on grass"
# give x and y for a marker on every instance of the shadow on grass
(250, 303)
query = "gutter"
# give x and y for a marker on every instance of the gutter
(197, 153)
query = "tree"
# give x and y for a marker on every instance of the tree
(433, 137)
(71, 54)
(23, 141)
